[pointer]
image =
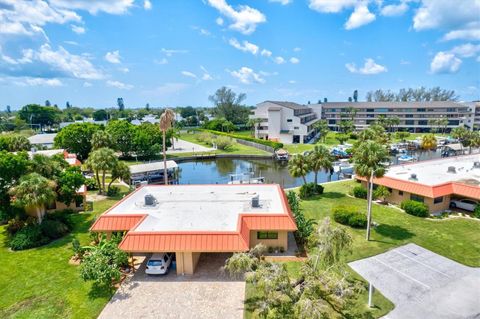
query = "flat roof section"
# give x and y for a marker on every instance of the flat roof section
(199, 207)
(47, 138)
(437, 172)
(151, 167)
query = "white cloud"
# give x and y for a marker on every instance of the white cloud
(119, 85)
(466, 50)
(28, 81)
(71, 42)
(161, 61)
(147, 5)
(331, 6)
(245, 19)
(361, 16)
(245, 46)
(294, 60)
(93, 7)
(247, 76)
(297, 49)
(170, 52)
(124, 70)
(87, 84)
(266, 53)
(279, 60)
(206, 75)
(392, 10)
(282, 2)
(113, 57)
(445, 62)
(189, 74)
(369, 68)
(459, 19)
(77, 29)
(219, 21)
(292, 81)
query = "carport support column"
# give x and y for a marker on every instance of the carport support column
(371, 289)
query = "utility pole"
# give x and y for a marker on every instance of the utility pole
(371, 290)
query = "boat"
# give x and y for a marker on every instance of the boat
(338, 153)
(245, 178)
(281, 155)
(406, 158)
(343, 166)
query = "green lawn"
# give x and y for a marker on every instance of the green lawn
(40, 283)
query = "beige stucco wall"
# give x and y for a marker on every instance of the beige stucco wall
(282, 240)
(186, 262)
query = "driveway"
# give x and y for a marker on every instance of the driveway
(206, 294)
(423, 284)
(182, 146)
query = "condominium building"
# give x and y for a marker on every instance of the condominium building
(286, 122)
(413, 116)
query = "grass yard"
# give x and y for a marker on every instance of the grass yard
(457, 239)
(40, 283)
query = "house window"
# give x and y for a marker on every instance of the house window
(416, 198)
(438, 200)
(289, 120)
(332, 121)
(400, 193)
(267, 235)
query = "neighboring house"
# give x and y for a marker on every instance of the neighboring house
(45, 140)
(286, 122)
(415, 117)
(190, 220)
(148, 118)
(434, 182)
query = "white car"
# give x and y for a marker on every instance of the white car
(466, 204)
(158, 264)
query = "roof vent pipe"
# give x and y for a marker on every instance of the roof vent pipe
(413, 177)
(150, 200)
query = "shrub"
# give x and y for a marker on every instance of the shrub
(113, 191)
(63, 216)
(349, 216)
(360, 192)
(205, 138)
(476, 212)
(91, 184)
(14, 225)
(310, 189)
(415, 208)
(223, 142)
(28, 237)
(274, 145)
(53, 229)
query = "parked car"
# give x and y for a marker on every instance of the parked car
(159, 264)
(466, 204)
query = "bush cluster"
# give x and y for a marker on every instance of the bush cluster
(476, 212)
(415, 208)
(360, 192)
(223, 142)
(310, 189)
(274, 145)
(350, 216)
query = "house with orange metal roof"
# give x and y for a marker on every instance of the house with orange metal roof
(190, 220)
(434, 182)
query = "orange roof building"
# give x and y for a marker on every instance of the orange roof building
(192, 219)
(434, 182)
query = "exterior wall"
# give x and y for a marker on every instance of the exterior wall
(186, 262)
(274, 124)
(282, 240)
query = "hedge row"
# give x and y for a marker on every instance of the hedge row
(274, 145)
(350, 216)
(415, 208)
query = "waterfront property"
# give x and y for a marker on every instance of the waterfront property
(435, 183)
(153, 172)
(191, 220)
(286, 122)
(415, 117)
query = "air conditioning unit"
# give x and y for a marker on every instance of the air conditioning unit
(150, 200)
(413, 177)
(451, 169)
(476, 164)
(256, 201)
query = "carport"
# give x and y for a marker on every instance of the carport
(423, 284)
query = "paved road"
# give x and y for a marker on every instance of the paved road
(182, 146)
(423, 284)
(206, 294)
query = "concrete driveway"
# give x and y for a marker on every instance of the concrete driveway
(423, 284)
(182, 146)
(206, 294)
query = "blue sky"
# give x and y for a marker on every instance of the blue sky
(172, 53)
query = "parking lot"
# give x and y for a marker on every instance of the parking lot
(206, 294)
(423, 284)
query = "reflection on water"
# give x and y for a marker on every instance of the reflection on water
(217, 171)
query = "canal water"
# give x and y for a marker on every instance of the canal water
(218, 171)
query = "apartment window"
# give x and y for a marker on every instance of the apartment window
(423, 122)
(416, 198)
(438, 200)
(400, 193)
(453, 122)
(409, 122)
(289, 120)
(296, 128)
(421, 110)
(370, 122)
(370, 115)
(382, 110)
(332, 122)
(370, 110)
(451, 109)
(409, 115)
(267, 235)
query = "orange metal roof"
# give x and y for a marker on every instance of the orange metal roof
(195, 241)
(427, 190)
(116, 222)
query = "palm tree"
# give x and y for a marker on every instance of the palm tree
(166, 120)
(298, 166)
(429, 142)
(320, 159)
(101, 161)
(322, 127)
(34, 191)
(368, 160)
(174, 135)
